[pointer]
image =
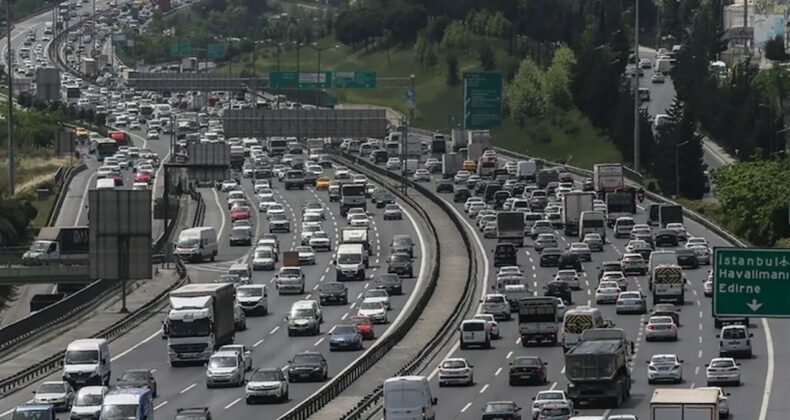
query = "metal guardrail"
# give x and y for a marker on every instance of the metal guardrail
(341, 381)
(64, 183)
(15, 382)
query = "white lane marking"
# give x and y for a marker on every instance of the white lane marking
(156, 407)
(130, 349)
(554, 385)
(221, 213)
(769, 378)
(509, 354)
(345, 315)
(274, 330)
(84, 198)
(483, 389)
(466, 407)
(258, 343)
(320, 340)
(498, 371)
(699, 354)
(187, 388)
(696, 370)
(232, 403)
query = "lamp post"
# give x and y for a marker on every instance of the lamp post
(677, 166)
(10, 102)
(636, 85)
(318, 49)
(299, 46)
(277, 45)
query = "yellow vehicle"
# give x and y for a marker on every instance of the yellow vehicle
(470, 165)
(81, 133)
(322, 183)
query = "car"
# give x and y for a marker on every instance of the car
(359, 220)
(702, 253)
(374, 310)
(306, 255)
(379, 295)
(687, 258)
(569, 276)
(641, 247)
(661, 328)
(667, 309)
(274, 209)
(501, 410)
(456, 371)
(509, 270)
(138, 378)
(225, 368)
(59, 394)
(382, 197)
(322, 183)
(239, 213)
(527, 370)
(559, 289)
(707, 287)
(240, 235)
(582, 250)
(496, 304)
(307, 233)
(540, 227)
(393, 164)
(87, 402)
(657, 78)
(696, 240)
(724, 401)
(607, 291)
(402, 243)
(266, 383)
(617, 277)
(332, 292)
(664, 367)
(472, 200)
(640, 229)
(476, 207)
(492, 324)
(445, 186)
(142, 177)
(555, 411)
(421, 175)
(665, 238)
(631, 303)
(634, 263)
(723, 370)
(279, 223)
(392, 212)
(400, 263)
(239, 317)
(152, 135)
(242, 350)
(364, 325)
(550, 257)
(263, 258)
(193, 413)
(392, 283)
(461, 194)
(345, 337)
(320, 241)
(308, 366)
(549, 397)
(735, 341)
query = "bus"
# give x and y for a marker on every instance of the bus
(105, 148)
(578, 320)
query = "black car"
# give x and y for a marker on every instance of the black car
(461, 195)
(444, 186)
(138, 378)
(570, 260)
(193, 413)
(392, 283)
(609, 266)
(325, 161)
(550, 257)
(307, 366)
(501, 410)
(400, 264)
(505, 254)
(687, 258)
(240, 237)
(382, 197)
(666, 238)
(402, 243)
(333, 292)
(560, 289)
(588, 185)
(379, 156)
(262, 172)
(499, 199)
(527, 370)
(647, 238)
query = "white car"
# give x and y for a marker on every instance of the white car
(493, 327)
(229, 185)
(475, 207)
(152, 135)
(617, 277)
(456, 371)
(549, 397)
(274, 208)
(393, 163)
(359, 220)
(723, 370)
(509, 270)
(696, 240)
(353, 211)
(664, 367)
(342, 173)
(679, 230)
(582, 250)
(306, 255)
(378, 295)
(266, 383)
(264, 194)
(472, 200)
(374, 310)
(320, 241)
(569, 276)
(461, 177)
(724, 400)
(707, 287)
(57, 393)
(545, 240)
(263, 205)
(607, 292)
(262, 184)
(263, 258)
(497, 305)
(421, 175)
(88, 401)
(640, 229)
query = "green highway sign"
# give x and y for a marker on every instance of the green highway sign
(180, 49)
(215, 51)
(751, 282)
(363, 79)
(482, 100)
(301, 80)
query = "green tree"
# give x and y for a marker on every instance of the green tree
(558, 78)
(525, 95)
(421, 48)
(486, 56)
(678, 151)
(15, 218)
(431, 56)
(452, 70)
(775, 49)
(457, 37)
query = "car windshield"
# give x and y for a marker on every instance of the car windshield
(349, 259)
(263, 254)
(345, 330)
(52, 388)
(249, 291)
(222, 362)
(134, 376)
(551, 396)
(265, 376)
(189, 243)
(370, 305)
(527, 361)
(82, 357)
(119, 412)
(733, 333)
(499, 408)
(304, 249)
(721, 364)
(663, 359)
(399, 258)
(555, 411)
(330, 287)
(307, 359)
(630, 295)
(290, 272)
(87, 400)
(661, 320)
(453, 364)
(302, 313)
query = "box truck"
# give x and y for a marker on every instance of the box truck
(200, 321)
(56, 245)
(684, 403)
(574, 203)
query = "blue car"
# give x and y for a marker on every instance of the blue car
(345, 337)
(34, 412)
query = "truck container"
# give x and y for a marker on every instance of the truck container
(670, 213)
(526, 170)
(607, 177)
(451, 164)
(189, 64)
(56, 245)
(89, 67)
(315, 147)
(290, 258)
(42, 300)
(457, 139)
(574, 203)
(120, 137)
(537, 320)
(479, 137)
(597, 367)
(354, 235)
(510, 227)
(621, 203)
(684, 404)
(545, 176)
(200, 321)
(474, 152)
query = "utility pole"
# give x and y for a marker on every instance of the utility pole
(637, 68)
(94, 38)
(10, 102)
(299, 109)
(677, 166)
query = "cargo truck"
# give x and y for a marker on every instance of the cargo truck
(351, 196)
(607, 178)
(438, 145)
(510, 227)
(574, 203)
(59, 245)
(597, 368)
(200, 321)
(451, 164)
(315, 147)
(537, 320)
(621, 203)
(684, 404)
(670, 213)
(354, 235)
(545, 176)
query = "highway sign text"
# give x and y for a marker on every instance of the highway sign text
(751, 282)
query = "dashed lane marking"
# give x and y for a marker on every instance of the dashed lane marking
(187, 388)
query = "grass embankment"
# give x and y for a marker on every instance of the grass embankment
(33, 173)
(552, 137)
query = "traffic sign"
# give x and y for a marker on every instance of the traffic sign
(301, 80)
(215, 51)
(118, 39)
(482, 100)
(180, 49)
(753, 282)
(363, 79)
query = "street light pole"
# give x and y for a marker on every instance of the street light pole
(677, 166)
(636, 85)
(318, 74)
(10, 102)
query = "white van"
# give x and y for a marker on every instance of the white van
(128, 403)
(661, 257)
(412, 165)
(408, 398)
(243, 270)
(87, 403)
(475, 332)
(351, 262)
(253, 298)
(197, 244)
(87, 362)
(592, 222)
(105, 184)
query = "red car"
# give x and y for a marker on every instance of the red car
(364, 326)
(142, 177)
(239, 213)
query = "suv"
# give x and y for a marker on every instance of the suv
(294, 178)
(400, 264)
(497, 305)
(402, 243)
(734, 341)
(193, 413)
(474, 332)
(309, 366)
(505, 254)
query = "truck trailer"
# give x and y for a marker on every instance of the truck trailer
(200, 321)
(607, 178)
(574, 203)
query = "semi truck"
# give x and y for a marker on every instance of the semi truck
(58, 245)
(537, 320)
(670, 213)
(510, 227)
(685, 404)
(574, 203)
(620, 203)
(200, 321)
(451, 164)
(527, 170)
(607, 178)
(597, 367)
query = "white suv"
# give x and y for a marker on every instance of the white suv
(497, 305)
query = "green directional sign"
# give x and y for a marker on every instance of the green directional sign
(751, 282)
(180, 49)
(362, 79)
(118, 39)
(482, 100)
(301, 80)
(215, 51)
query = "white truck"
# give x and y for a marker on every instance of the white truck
(574, 203)
(510, 227)
(315, 147)
(477, 141)
(684, 403)
(200, 321)
(355, 235)
(526, 170)
(451, 164)
(59, 245)
(667, 283)
(607, 177)
(537, 320)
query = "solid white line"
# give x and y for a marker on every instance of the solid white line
(221, 213)
(187, 388)
(769, 377)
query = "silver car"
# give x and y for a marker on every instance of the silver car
(661, 328)
(631, 303)
(57, 393)
(664, 367)
(594, 241)
(545, 240)
(225, 368)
